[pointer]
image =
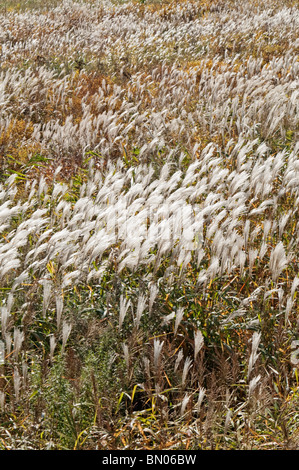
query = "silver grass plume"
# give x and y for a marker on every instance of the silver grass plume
(253, 384)
(9, 302)
(198, 342)
(18, 341)
(8, 341)
(185, 402)
(2, 400)
(52, 347)
(140, 309)
(246, 233)
(201, 394)
(2, 353)
(47, 289)
(126, 355)
(59, 308)
(280, 293)
(17, 383)
(178, 318)
(123, 307)
(25, 372)
(158, 345)
(187, 366)
(282, 223)
(178, 360)
(256, 338)
(154, 289)
(4, 320)
(66, 330)
(168, 318)
(289, 305)
(267, 227)
(278, 261)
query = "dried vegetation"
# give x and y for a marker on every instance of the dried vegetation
(149, 224)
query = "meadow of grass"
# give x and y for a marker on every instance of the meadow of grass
(149, 196)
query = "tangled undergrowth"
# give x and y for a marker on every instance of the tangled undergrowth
(149, 195)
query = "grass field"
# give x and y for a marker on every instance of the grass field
(149, 196)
